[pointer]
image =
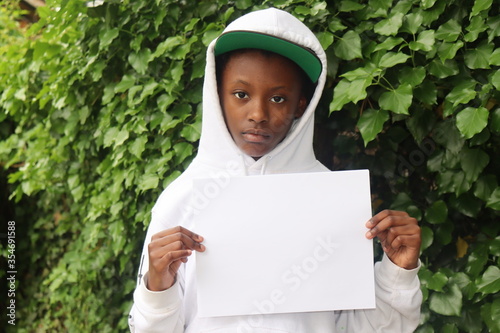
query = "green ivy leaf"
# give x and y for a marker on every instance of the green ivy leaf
(443, 69)
(120, 137)
(479, 6)
(427, 237)
(336, 25)
(485, 186)
(357, 89)
(191, 132)
(340, 95)
(212, 31)
(149, 89)
(391, 59)
(476, 261)
(449, 50)
(148, 181)
(471, 121)
(349, 46)
(302, 10)
(243, 4)
(476, 26)
(389, 26)
(490, 312)
(449, 32)
(424, 42)
(182, 151)
(140, 60)
(489, 282)
(398, 100)
(493, 24)
(473, 162)
(444, 233)
(426, 92)
(110, 136)
(127, 82)
(448, 303)
(463, 92)
(420, 125)
(389, 43)
(426, 4)
(358, 73)
(495, 120)
(479, 57)
(467, 204)
(495, 79)
(325, 38)
(412, 22)
(412, 75)
(166, 46)
(494, 200)
(437, 281)
(495, 58)
(350, 6)
(437, 213)
(106, 37)
(138, 146)
(371, 123)
(495, 247)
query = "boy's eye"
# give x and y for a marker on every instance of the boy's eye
(240, 95)
(277, 99)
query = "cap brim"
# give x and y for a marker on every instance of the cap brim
(235, 40)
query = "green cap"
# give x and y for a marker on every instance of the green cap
(236, 40)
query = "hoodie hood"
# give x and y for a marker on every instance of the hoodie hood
(295, 153)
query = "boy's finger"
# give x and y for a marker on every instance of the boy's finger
(178, 230)
(388, 224)
(383, 215)
(175, 242)
(396, 236)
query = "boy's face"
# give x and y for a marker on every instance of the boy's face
(261, 95)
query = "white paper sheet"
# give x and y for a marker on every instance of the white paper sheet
(284, 243)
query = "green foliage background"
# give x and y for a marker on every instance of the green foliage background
(100, 110)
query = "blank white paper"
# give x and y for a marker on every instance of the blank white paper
(284, 243)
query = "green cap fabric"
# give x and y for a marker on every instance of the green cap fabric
(236, 40)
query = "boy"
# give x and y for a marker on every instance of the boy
(258, 117)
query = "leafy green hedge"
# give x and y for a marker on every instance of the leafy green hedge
(100, 110)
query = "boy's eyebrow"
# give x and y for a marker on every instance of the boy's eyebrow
(242, 82)
(248, 84)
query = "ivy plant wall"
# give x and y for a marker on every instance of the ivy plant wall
(100, 111)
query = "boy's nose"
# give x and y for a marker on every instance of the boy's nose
(258, 112)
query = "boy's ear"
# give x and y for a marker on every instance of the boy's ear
(301, 107)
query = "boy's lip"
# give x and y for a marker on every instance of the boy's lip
(255, 135)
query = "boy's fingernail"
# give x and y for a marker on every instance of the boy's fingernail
(369, 234)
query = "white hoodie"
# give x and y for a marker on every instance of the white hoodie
(398, 293)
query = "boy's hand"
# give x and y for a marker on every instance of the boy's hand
(167, 251)
(399, 235)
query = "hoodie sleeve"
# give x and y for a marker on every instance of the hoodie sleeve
(398, 301)
(158, 311)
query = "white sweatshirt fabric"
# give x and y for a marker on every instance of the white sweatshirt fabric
(398, 296)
